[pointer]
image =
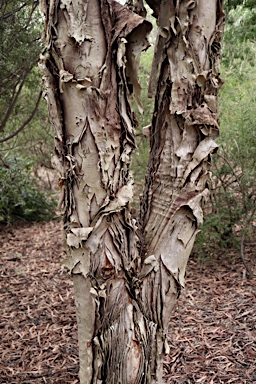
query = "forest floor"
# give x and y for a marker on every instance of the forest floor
(212, 334)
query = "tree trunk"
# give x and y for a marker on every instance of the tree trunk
(127, 279)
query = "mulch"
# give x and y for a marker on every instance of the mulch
(212, 335)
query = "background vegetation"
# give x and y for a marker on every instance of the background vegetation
(24, 127)
(233, 198)
(20, 195)
(26, 138)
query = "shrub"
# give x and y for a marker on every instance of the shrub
(233, 196)
(20, 196)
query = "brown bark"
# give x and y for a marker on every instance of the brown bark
(125, 289)
(185, 78)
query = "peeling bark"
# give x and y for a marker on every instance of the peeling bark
(185, 81)
(127, 280)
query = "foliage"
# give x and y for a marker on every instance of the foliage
(232, 4)
(20, 80)
(21, 109)
(233, 199)
(239, 38)
(20, 196)
(35, 141)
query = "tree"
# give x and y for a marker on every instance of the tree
(231, 4)
(127, 276)
(20, 48)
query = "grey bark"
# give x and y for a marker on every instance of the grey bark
(127, 279)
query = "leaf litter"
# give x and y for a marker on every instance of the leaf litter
(212, 335)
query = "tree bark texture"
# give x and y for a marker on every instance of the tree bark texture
(127, 278)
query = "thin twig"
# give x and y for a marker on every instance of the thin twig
(25, 122)
(248, 269)
(247, 221)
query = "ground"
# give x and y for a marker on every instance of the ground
(212, 335)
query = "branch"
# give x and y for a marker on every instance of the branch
(247, 221)
(4, 162)
(13, 11)
(13, 101)
(235, 176)
(25, 122)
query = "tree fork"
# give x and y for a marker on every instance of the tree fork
(126, 280)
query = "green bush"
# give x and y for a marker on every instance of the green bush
(20, 196)
(233, 196)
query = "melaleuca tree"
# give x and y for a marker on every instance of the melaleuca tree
(127, 274)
